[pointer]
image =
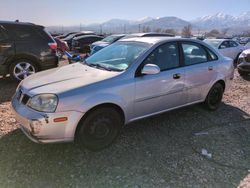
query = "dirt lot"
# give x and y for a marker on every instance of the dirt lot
(162, 151)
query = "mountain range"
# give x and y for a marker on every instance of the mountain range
(217, 21)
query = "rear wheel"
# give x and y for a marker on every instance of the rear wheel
(214, 97)
(22, 68)
(99, 129)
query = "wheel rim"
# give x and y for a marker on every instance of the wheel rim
(22, 70)
(100, 128)
(215, 96)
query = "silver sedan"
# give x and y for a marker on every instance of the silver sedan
(134, 78)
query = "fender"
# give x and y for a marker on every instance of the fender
(103, 98)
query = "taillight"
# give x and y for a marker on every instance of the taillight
(53, 45)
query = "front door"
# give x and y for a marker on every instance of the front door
(163, 91)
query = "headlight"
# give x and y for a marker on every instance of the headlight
(43, 102)
(243, 55)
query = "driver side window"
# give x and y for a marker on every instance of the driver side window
(165, 56)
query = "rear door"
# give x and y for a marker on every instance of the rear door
(7, 46)
(200, 70)
(163, 91)
(235, 49)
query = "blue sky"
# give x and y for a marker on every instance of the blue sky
(62, 12)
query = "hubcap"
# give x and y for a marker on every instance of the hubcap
(22, 70)
(100, 128)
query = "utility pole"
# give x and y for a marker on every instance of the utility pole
(139, 28)
(80, 27)
(124, 29)
(101, 29)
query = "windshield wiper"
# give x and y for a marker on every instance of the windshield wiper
(101, 66)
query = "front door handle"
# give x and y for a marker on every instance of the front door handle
(210, 68)
(177, 76)
(5, 46)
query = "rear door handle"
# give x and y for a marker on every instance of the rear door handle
(210, 68)
(177, 76)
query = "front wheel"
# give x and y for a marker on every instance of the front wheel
(214, 97)
(99, 129)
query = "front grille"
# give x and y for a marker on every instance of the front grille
(25, 99)
(22, 98)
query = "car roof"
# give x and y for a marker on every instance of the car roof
(149, 34)
(221, 40)
(154, 40)
(16, 23)
(117, 35)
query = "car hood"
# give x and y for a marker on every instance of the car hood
(65, 78)
(246, 51)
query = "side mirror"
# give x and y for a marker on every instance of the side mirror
(222, 47)
(149, 69)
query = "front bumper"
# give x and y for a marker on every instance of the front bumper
(244, 66)
(41, 128)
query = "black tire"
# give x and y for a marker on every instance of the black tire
(242, 73)
(99, 129)
(236, 60)
(13, 67)
(214, 97)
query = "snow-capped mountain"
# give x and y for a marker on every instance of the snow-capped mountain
(221, 20)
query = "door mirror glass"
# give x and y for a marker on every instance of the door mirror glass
(149, 69)
(222, 47)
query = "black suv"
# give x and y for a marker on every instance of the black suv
(25, 48)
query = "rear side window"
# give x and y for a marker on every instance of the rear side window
(165, 56)
(194, 54)
(233, 44)
(212, 55)
(22, 32)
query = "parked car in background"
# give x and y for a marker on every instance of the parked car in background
(65, 35)
(128, 80)
(69, 38)
(25, 48)
(62, 46)
(247, 46)
(96, 46)
(244, 63)
(227, 47)
(244, 40)
(82, 43)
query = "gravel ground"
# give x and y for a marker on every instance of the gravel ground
(162, 151)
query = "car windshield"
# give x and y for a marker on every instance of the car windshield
(118, 56)
(214, 43)
(110, 39)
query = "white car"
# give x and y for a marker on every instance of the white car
(227, 47)
(247, 46)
